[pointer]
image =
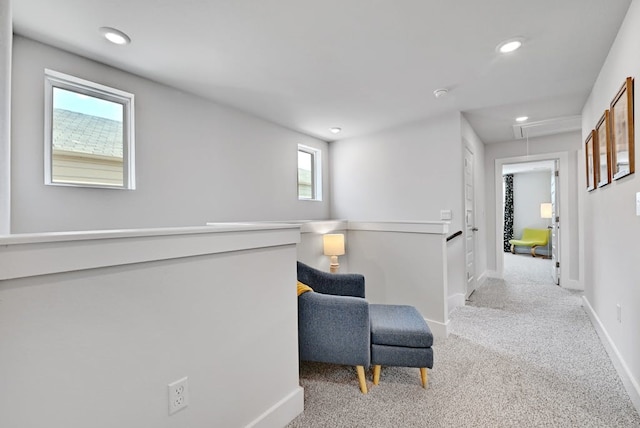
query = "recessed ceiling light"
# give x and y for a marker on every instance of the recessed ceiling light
(438, 93)
(115, 36)
(509, 45)
(522, 118)
(335, 130)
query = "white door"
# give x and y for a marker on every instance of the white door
(555, 225)
(470, 228)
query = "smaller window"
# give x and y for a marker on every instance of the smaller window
(88, 134)
(309, 174)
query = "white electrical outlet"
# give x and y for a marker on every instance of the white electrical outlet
(178, 395)
(619, 312)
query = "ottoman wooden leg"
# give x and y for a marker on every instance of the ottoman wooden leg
(361, 379)
(423, 377)
(376, 374)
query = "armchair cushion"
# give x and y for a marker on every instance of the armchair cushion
(334, 329)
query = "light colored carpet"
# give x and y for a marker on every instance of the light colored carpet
(522, 353)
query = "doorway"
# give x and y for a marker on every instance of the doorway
(558, 188)
(529, 205)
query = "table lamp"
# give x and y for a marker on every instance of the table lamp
(333, 247)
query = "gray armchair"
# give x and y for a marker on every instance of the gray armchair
(333, 321)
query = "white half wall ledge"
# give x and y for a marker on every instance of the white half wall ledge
(630, 384)
(428, 227)
(25, 255)
(313, 226)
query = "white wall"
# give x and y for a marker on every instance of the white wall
(456, 275)
(568, 143)
(530, 189)
(196, 161)
(404, 264)
(408, 173)
(411, 173)
(611, 229)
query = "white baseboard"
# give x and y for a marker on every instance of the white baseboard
(482, 278)
(438, 329)
(630, 384)
(281, 413)
(572, 284)
(493, 274)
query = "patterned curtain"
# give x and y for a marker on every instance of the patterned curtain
(508, 211)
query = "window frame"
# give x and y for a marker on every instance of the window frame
(316, 173)
(55, 79)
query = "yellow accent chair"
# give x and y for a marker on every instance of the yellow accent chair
(531, 238)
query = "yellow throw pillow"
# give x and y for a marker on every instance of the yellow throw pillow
(303, 288)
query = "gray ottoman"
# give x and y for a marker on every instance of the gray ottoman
(400, 337)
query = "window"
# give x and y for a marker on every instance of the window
(88, 134)
(309, 174)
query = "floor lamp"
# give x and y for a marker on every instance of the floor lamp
(546, 211)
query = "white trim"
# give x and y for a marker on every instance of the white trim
(482, 278)
(316, 172)
(573, 284)
(42, 254)
(494, 274)
(630, 384)
(281, 413)
(428, 227)
(438, 329)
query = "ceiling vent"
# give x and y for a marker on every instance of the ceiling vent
(541, 128)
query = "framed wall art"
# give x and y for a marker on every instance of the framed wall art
(622, 133)
(591, 160)
(602, 146)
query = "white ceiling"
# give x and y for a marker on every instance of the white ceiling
(362, 65)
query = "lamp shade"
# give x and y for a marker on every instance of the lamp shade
(333, 244)
(546, 210)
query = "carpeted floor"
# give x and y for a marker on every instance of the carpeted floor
(522, 353)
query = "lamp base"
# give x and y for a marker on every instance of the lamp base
(334, 265)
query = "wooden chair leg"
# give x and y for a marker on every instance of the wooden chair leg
(423, 377)
(376, 374)
(361, 379)
(513, 249)
(533, 251)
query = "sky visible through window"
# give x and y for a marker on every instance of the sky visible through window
(85, 104)
(304, 160)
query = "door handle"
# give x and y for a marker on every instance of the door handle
(474, 229)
